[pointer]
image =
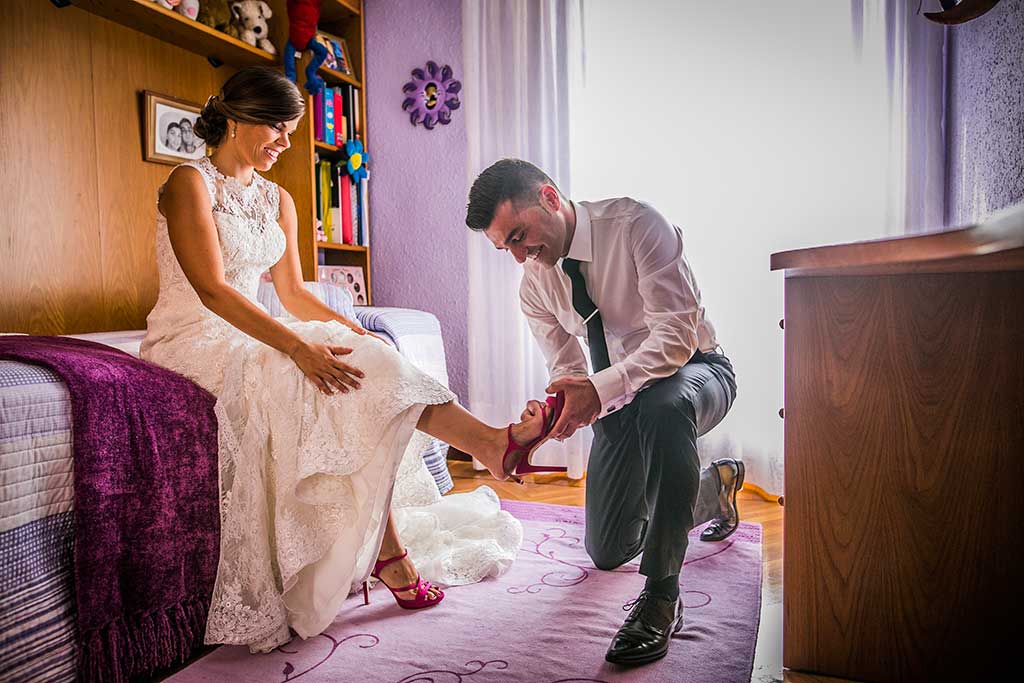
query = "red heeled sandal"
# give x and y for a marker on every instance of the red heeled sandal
(422, 587)
(523, 465)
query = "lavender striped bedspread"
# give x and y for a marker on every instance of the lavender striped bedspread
(37, 609)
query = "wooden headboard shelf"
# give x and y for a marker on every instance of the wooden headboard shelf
(163, 24)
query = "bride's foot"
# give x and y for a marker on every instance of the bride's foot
(402, 572)
(527, 430)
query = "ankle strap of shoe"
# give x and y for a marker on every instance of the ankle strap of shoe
(380, 564)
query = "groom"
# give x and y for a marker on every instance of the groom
(614, 272)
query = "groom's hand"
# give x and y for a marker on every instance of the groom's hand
(582, 405)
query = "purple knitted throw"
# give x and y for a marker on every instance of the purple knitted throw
(147, 520)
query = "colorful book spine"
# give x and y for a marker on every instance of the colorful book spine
(364, 208)
(316, 186)
(358, 125)
(325, 195)
(329, 137)
(350, 111)
(354, 206)
(340, 120)
(318, 115)
(336, 215)
(346, 209)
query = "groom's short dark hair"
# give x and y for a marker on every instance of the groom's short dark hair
(513, 179)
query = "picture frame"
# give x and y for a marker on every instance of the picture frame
(339, 58)
(168, 124)
(349, 277)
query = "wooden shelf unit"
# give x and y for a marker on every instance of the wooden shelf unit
(333, 11)
(341, 247)
(342, 18)
(152, 19)
(296, 170)
(327, 149)
(335, 77)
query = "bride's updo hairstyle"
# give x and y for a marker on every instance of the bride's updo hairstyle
(256, 94)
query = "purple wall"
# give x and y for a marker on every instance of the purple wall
(418, 201)
(985, 160)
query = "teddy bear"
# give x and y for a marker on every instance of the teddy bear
(167, 4)
(188, 8)
(250, 18)
(217, 15)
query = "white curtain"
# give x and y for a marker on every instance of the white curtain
(758, 127)
(520, 56)
(904, 55)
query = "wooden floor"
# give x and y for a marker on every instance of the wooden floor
(558, 490)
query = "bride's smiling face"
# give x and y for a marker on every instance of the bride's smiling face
(261, 144)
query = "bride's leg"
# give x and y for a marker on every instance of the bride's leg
(455, 425)
(400, 573)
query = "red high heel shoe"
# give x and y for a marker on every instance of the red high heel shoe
(422, 587)
(523, 465)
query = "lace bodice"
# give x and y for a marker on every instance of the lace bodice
(251, 241)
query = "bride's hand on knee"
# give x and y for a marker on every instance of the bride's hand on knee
(321, 364)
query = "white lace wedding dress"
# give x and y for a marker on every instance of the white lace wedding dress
(306, 479)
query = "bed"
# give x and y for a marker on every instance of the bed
(37, 607)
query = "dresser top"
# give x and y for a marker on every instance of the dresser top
(996, 244)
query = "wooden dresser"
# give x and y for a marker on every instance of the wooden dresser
(904, 448)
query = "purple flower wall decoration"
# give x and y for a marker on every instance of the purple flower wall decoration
(431, 96)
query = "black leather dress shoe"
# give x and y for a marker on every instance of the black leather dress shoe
(722, 527)
(645, 634)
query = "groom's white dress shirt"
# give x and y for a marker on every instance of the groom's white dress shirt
(637, 275)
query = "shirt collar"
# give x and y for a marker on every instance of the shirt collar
(581, 248)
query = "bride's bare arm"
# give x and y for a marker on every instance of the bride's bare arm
(287, 274)
(193, 236)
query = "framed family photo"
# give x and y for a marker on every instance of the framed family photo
(337, 52)
(349, 277)
(169, 130)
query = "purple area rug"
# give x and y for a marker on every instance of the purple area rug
(548, 620)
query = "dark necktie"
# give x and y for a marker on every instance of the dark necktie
(584, 305)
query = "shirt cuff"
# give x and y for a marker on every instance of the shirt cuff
(609, 384)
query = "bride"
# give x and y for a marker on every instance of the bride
(315, 413)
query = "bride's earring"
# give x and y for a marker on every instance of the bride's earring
(234, 131)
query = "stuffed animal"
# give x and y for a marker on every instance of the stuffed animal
(190, 8)
(167, 4)
(250, 18)
(303, 16)
(217, 15)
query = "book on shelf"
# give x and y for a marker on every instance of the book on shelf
(329, 136)
(352, 110)
(342, 205)
(336, 116)
(335, 199)
(330, 228)
(364, 217)
(318, 115)
(341, 129)
(346, 205)
(317, 205)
